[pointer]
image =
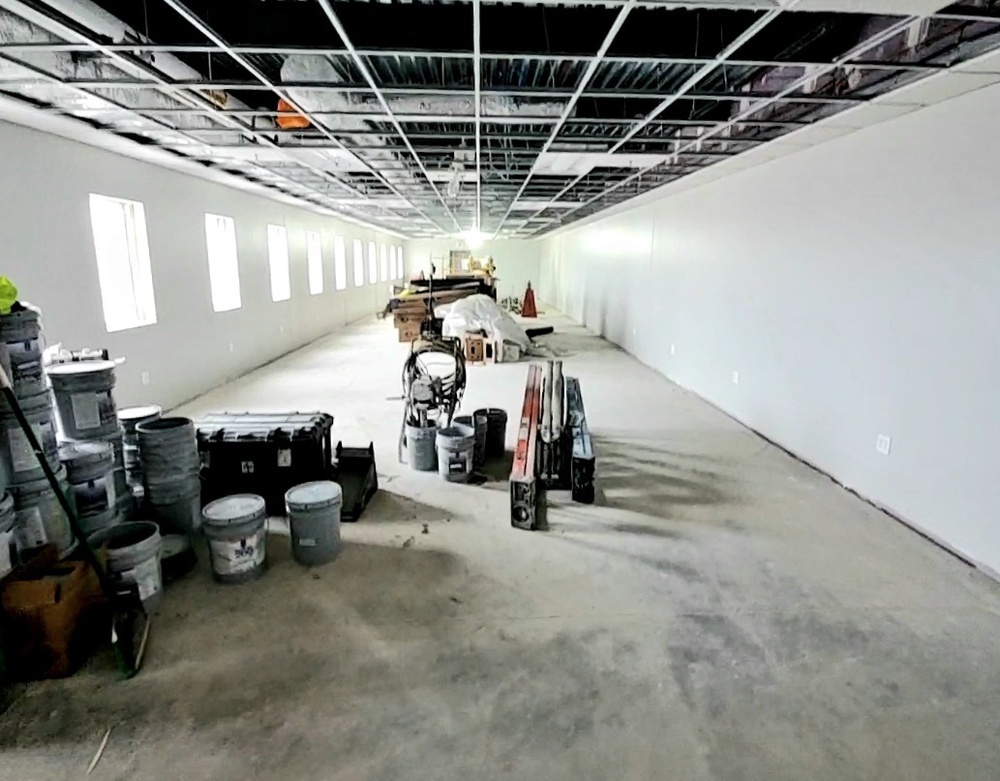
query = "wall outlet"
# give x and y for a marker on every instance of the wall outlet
(232, 347)
(144, 378)
(883, 444)
(673, 349)
(736, 378)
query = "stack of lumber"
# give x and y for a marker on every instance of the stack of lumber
(411, 309)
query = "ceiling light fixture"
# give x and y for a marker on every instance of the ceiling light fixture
(473, 238)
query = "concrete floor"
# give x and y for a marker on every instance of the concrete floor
(723, 612)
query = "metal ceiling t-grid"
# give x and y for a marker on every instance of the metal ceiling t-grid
(434, 118)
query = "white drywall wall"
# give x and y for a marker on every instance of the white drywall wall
(48, 251)
(854, 286)
(517, 260)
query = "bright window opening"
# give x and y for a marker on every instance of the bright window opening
(359, 263)
(372, 264)
(123, 268)
(383, 256)
(277, 258)
(399, 263)
(339, 262)
(223, 264)
(314, 259)
(392, 262)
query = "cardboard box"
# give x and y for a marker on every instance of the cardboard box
(53, 616)
(475, 351)
(409, 332)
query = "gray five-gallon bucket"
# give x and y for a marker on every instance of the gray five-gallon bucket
(420, 450)
(454, 451)
(21, 332)
(171, 465)
(40, 516)
(314, 519)
(478, 427)
(133, 551)
(84, 398)
(496, 431)
(131, 417)
(90, 473)
(236, 528)
(8, 550)
(20, 463)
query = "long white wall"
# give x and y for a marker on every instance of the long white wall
(48, 251)
(854, 286)
(517, 260)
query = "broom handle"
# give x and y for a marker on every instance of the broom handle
(107, 585)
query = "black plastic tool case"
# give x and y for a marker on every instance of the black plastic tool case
(358, 478)
(264, 454)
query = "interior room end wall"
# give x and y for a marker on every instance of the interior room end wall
(48, 251)
(840, 295)
(517, 260)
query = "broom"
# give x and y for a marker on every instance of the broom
(129, 620)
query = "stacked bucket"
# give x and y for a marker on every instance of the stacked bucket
(171, 473)
(93, 451)
(30, 513)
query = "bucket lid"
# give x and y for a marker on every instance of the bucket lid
(313, 496)
(80, 454)
(138, 414)
(78, 368)
(234, 510)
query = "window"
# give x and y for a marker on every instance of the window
(383, 256)
(359, 264)
(314, 259)
(339, 263)
(223, 264)
(277, 258)
(392, 262)
(400, 272)
(123, 269)
(372, 264)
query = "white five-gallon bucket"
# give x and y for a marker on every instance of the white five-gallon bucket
(237, 537)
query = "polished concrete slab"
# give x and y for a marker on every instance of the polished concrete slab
(723, 612)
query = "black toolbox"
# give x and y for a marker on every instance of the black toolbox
(264, 454)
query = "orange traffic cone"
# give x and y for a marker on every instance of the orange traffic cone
(528, 305)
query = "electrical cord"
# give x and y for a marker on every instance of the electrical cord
(434, 379)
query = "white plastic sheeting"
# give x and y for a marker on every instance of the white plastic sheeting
(481, 312)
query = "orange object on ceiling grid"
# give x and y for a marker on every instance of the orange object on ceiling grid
(295, 122)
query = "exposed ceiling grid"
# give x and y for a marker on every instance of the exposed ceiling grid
(437, 117)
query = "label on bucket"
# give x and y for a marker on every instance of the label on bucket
(22, 457)
(234, 557)
(458, 464)
(94, 496)
(6, 560)
(284, 457)
(145, 575)
(30, 530)
(93, 409)
(307, 542)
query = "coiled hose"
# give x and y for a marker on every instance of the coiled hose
(440, 363)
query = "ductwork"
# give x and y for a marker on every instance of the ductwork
(336, 105)
(20, 23)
